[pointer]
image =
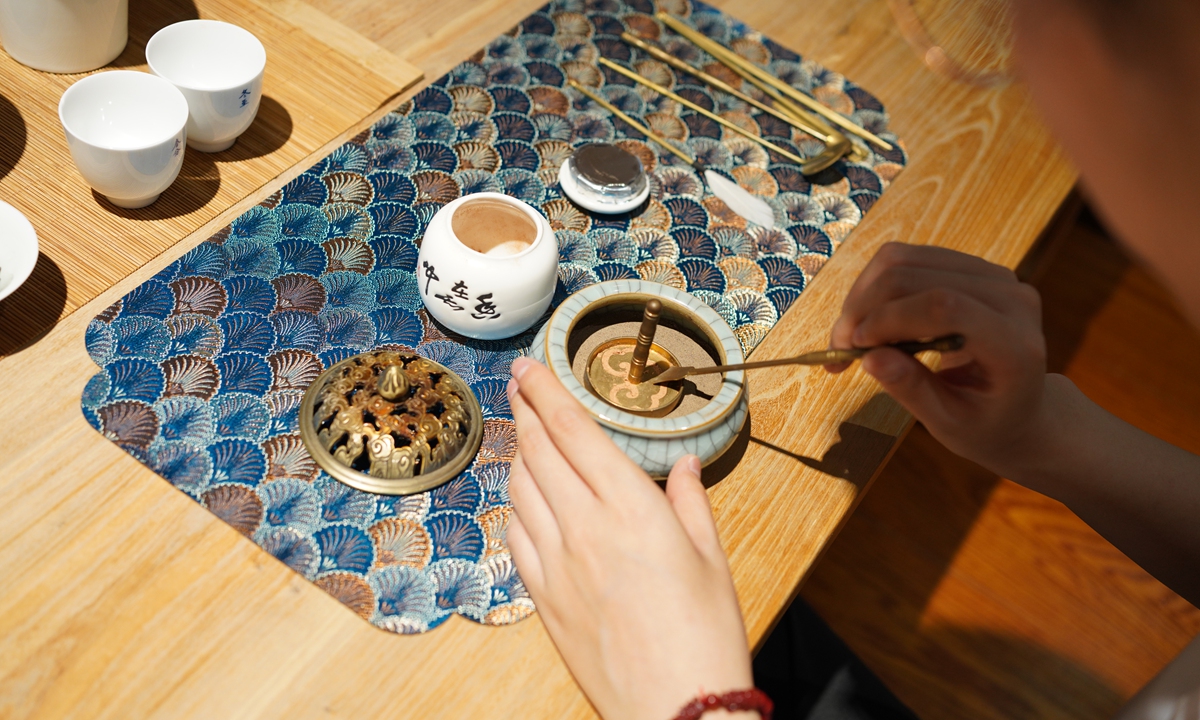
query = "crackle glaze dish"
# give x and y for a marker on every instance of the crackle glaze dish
(202, 368)
(655, 443)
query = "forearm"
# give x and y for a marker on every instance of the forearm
(1141, 493)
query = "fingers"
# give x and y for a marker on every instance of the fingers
(690, 501)
(911, 384)
(530, 504)
(559, 483)
(578, 439)
(934, 313)
(898, 270)
(525, 555)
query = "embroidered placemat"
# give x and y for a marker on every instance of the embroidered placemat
(203, 366)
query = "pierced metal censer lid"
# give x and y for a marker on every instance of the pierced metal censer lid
(391, 423)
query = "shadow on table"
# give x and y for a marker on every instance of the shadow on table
(198, 182)
(856, 455)
(13, 137)
(33, 309)
(147, 17)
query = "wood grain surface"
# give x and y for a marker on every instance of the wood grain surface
(123, 598)
(311, 93)
(973, 597)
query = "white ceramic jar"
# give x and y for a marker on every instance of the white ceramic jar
(64, 36)
(486, 297)
(126, 131)
(219, 69)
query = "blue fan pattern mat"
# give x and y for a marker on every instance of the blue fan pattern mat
(203, 366)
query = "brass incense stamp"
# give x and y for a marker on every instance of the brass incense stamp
(620, 371)
(392, 423)
(608, 378)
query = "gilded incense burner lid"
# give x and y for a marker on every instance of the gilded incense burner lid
(392, 423)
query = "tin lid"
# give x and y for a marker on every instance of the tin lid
(604, 178)
(390, 422)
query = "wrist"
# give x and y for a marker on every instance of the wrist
(1047, 445)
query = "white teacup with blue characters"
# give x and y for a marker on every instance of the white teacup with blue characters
(488, 266)
(219, 69)
(126, 132)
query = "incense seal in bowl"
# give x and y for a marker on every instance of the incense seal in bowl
(706, 427)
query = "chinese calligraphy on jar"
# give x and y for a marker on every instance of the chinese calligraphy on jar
(488, 266)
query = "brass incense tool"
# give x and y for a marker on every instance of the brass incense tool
(948, 343)
(730, 58)
(706, 113)
(837, 144)
(645, 339)
(632, 123)
(618, 370)
(392, 423)
(663, 56)
(740, 200)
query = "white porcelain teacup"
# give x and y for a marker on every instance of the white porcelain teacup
(64, 36)
(491, 292)
(219, 69)
(126, 131)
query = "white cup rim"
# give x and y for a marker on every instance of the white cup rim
(177, 98)
(255, 69)
(534, 215)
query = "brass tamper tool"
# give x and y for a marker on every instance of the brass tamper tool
(620, 372)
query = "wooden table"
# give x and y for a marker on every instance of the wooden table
(122, 598)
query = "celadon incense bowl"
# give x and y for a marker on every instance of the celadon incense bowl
(706, 429)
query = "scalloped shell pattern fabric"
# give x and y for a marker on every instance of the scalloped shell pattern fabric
(203, 367)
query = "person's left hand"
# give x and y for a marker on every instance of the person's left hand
(631, 583)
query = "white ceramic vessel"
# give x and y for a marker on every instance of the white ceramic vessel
(18, 249)
(126, 131)
(219, 69)
(654, 443)
(487, 297)
(64, 36)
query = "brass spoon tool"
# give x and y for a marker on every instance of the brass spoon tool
(745, 68)
(836, 143)
(947, 343)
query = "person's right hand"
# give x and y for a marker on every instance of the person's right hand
(987, 400)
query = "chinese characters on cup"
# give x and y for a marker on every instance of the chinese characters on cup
(484, 310)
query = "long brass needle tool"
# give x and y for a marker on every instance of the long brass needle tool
(706, 113)
(947, 343)
(631, 122)
(836, 144)
(663, 56)
(728, 57)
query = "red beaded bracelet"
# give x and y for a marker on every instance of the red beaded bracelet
(735, 701)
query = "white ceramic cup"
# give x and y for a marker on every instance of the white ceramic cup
(64, 36)
(219, 69)
(486, 297)
(126, 131)
(18, 249)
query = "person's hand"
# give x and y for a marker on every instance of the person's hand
(986, 401)
(631, 583)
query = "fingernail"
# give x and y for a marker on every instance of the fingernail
(519, 366)
(693, 464)
(856, 338)
(512, 388)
